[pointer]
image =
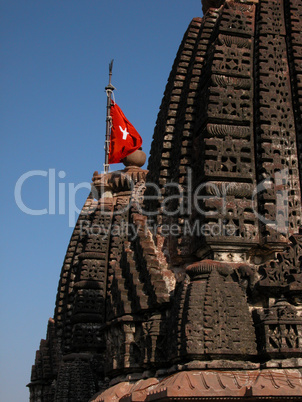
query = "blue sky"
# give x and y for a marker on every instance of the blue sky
(55, 56)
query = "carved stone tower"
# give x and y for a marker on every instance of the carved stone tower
(184, 282)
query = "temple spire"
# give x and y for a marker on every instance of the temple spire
(195, 292)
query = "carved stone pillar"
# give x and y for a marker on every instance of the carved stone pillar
(214, 309)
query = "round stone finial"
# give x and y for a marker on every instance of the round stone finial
(137, 158)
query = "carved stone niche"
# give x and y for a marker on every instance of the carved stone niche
(124, 349)
(105, 185)
(214, 309)
(279, 331)
(283, 274)
(87, 336)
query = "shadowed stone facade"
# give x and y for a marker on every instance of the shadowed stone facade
(184, 282)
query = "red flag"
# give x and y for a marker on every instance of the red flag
(124, 138)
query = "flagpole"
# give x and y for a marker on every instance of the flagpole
(109, 89)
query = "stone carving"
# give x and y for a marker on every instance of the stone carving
(223, 293)
(46, 366)
(115, 342)
(293, 15)
(282, 274)
(87, 336)
(206, 4)
(280, 330)
(274, 85)
(233, 56)
(90, 271)
(223, 130)
(238, 19)
(75, 379)
(71, 261)
(89, 301)
(212, 311)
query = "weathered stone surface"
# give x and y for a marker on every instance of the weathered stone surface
(208, 385)
(195, 293)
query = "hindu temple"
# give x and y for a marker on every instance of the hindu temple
(183, 282)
